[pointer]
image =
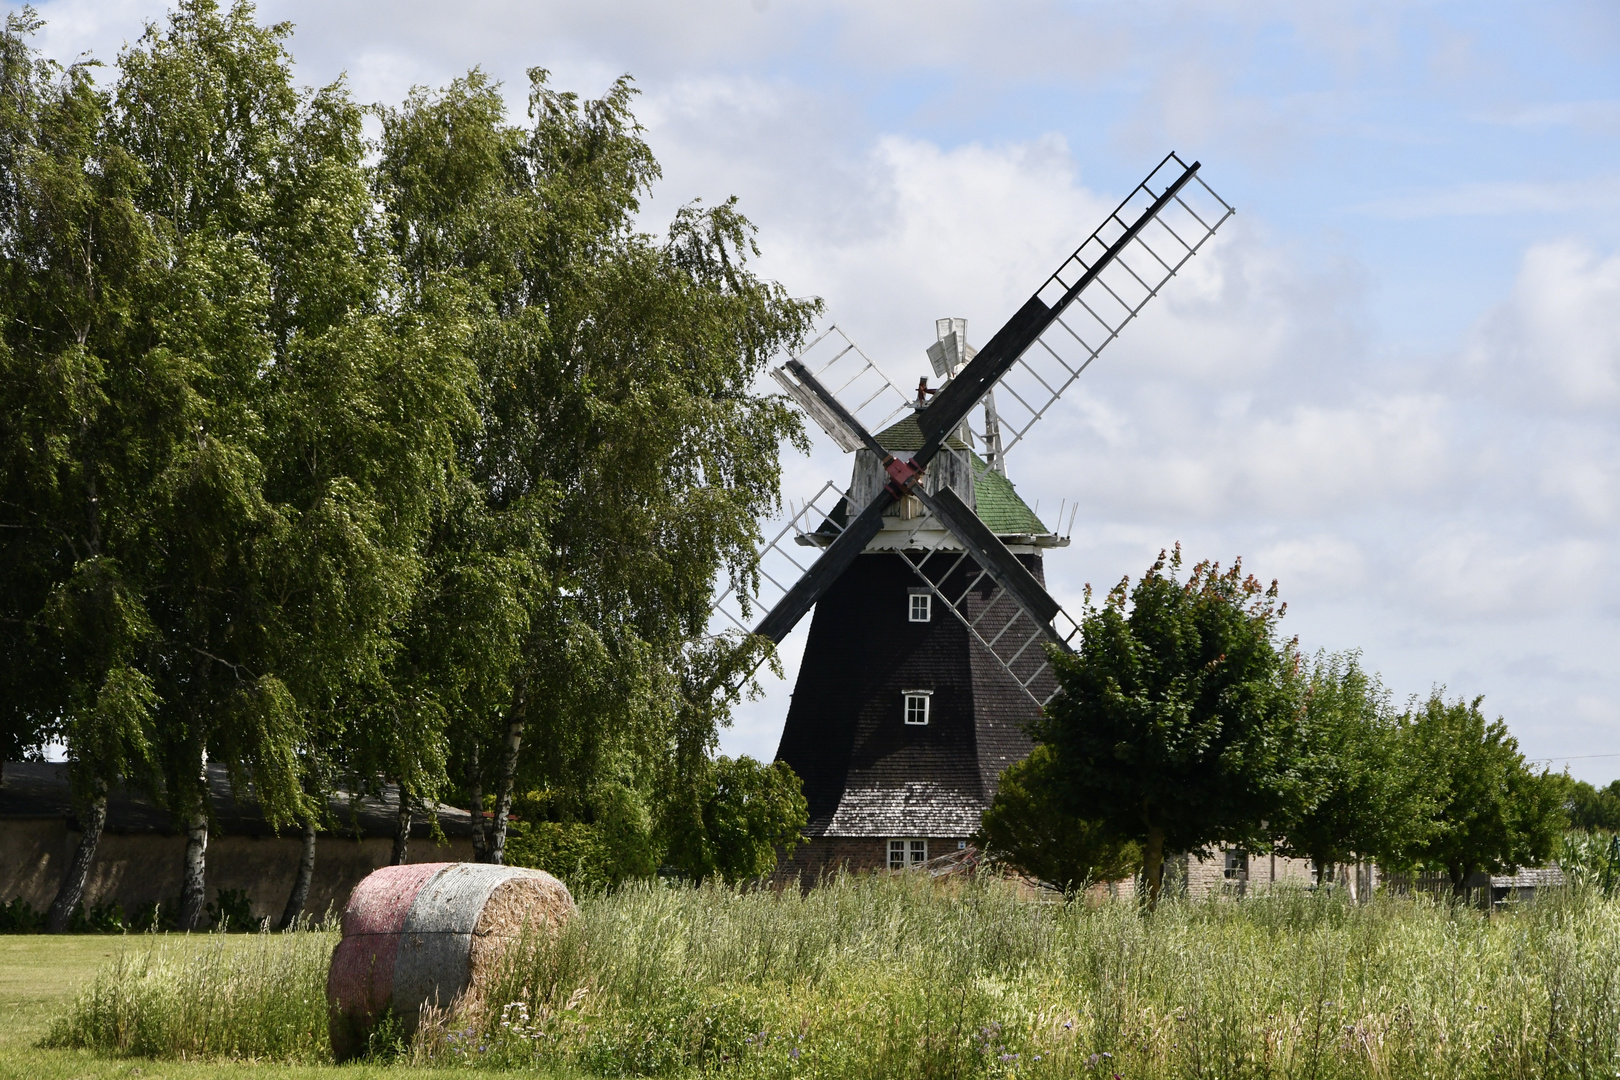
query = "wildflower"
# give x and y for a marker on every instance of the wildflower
(794, 1053)
(1091, 1061)
(1068, 1023)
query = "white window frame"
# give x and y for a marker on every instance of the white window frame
(920, 605)
(906, 852)
(911, 696)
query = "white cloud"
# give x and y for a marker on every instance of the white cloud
(1557, 337)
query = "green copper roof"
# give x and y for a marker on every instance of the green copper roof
(995, 499)
(999, 506)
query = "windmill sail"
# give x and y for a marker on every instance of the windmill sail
(992, 615)
(1032, 360)
(839, 365)
(1100, 288)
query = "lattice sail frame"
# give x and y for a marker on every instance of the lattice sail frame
(840, 366)
(777, 564)
(1006, 631)
(1104, 307)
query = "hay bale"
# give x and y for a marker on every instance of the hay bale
(429, 934)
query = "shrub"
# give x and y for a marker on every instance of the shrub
(19, 917)
(232, 910)
(106, 917)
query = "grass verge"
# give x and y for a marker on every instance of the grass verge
(898, 977)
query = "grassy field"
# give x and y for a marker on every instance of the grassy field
(893, 977)
(41, 974)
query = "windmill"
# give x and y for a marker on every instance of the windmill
(927, 657)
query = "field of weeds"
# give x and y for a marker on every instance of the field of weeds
(897, 977)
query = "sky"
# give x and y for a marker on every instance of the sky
(1391, 382)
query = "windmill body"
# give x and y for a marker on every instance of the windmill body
(901, 719)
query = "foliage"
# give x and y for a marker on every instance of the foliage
(621, 461)
(106, 917)
(888, 976)
(1590, 807)
(1493, 814)
(1366, 797)
(335, 461)
(1591, 860)
(221, 437)
(746, 813)
(1178, 721)
(615, 845)
(232, 910)
(19, 917)
(1027, 828)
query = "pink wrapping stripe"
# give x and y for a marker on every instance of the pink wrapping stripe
(361, 981)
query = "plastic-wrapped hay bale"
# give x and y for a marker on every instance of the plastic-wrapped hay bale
(427, 933)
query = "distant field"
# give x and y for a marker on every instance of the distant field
(899, 977)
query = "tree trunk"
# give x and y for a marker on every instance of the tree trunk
(1153, 866)
(402, 828)
(475, 795)
(503, 801)
(306, 873)
(71, 890)
(193, 898)
(1352, 875)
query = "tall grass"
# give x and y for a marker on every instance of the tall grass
(899, 977)
(261, 997)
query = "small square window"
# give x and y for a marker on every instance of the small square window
(904, 853)
(917, 706)
(922, 606)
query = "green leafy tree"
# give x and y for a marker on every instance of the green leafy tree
(1493, 814)
(622, 459)
(1027, 828)
(1591, 808)
(1178, 721)
(1365, 798)
(75, 440)
(226, 429)
(746, 812)
(320, 417)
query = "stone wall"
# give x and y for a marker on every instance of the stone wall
(825, 854)
(1201, 877)
(137, 869)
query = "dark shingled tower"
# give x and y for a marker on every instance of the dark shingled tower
(885, 789)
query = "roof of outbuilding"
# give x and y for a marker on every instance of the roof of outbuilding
(996, 499)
